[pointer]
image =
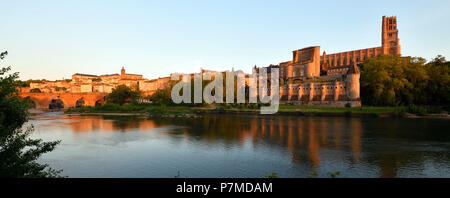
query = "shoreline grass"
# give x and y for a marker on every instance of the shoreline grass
(179, 110)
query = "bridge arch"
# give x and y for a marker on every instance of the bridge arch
(43, 100)
(29, 100)
(56, 103)
(33, 104)
(99, 102)
(80, 102)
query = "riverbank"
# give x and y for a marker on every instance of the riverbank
(291, 110)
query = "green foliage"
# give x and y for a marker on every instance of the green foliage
(331, 174)
(109, 107)
(334, 174)
(239, 106)
(122, 94)
(18, 152)
(112, 107)
(439, 59)
(116, 108)
(27, 82)
(400, 112)
(96, 79)
(313, 175)
(394, 81)
(220, 109)
(438, 86)
(156, 110)
(273, 175)
(162, 97)
(35, 90)
(60, 88)
(391, 80)
(418, 110)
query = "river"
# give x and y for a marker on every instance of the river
(245, 146)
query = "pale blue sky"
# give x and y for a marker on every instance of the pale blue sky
(54, 39)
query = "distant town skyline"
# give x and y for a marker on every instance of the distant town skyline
(53, 39)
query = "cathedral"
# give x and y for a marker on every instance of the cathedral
(331, 79)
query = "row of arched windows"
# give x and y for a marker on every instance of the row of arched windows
(318, 88)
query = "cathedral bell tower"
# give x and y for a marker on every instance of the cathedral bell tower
(122, 72)
(389, 36)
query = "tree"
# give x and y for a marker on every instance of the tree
(123, 94)
(35, 90)
(438, 89)
(161, 97)
(18, 152)
(439, 59)
(96, 80)
(393, 80)
(27, 82)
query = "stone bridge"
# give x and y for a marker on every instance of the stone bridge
(43, 100)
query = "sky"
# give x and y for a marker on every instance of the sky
(55, 39)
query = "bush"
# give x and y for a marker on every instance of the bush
(122, 94)
(60, 88)
(35, 90)
(156, 110)
(161, 97)
(400, 111)
(417, 110)
(220, 109)
(108, 107)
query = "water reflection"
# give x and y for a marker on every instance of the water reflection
(355, 146)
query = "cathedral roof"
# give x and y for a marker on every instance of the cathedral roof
(86, 75)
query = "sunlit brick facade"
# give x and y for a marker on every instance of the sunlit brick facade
(332, 79)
